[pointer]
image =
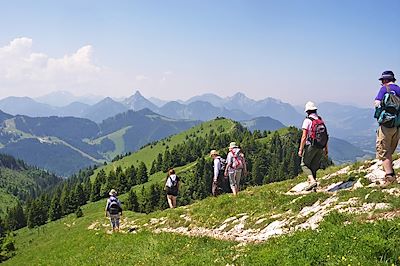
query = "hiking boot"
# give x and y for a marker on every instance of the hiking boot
(388, 180)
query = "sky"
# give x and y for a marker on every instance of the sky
(295, 51)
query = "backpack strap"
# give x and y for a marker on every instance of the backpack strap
(387, 89)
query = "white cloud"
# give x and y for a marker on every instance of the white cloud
(141, 77)
(23, 70)
(165, 76)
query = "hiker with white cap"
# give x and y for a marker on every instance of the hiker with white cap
(387, 105)
(113, 210)
(235, 167)
(313, 144)
(218, 172)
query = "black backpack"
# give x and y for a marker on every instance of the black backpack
(319, 133)
(388, 113)
(114, 207)
(174, 185)
(222, 165)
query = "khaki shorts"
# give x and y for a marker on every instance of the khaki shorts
(386, 141)
(234, 177)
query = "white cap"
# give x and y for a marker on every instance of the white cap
(310, 106)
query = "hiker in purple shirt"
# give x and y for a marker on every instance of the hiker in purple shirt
(388, 133)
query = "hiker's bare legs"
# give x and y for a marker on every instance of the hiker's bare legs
(387, 164)
(234, 190)
(174, 201)
(171, 201)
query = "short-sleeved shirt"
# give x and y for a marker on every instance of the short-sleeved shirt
(393, 88)
(170, 179)
(229, 159)
(307, 125)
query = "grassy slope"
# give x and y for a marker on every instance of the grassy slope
(150, 152)
(69, 242)
(118, 140)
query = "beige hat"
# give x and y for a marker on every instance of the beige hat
(310, 106)
(213, 152)
(232, 145)
(113, 192)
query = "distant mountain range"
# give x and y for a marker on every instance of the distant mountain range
(64, 145)
(263, 123)
(64, 98)
(347, 122)
(203, 107)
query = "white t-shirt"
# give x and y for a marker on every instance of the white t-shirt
(217, 166)
(307, 125)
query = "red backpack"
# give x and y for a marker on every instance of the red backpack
(238, 159)
(319, 134)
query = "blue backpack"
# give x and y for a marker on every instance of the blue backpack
(387, 113)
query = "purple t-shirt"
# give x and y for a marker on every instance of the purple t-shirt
(393, 88)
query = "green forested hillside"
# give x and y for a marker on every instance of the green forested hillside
(150, 152)
(264, 225)
(20, 181)
(64, 145)
(268, 224)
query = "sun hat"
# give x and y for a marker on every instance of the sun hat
(388, 75)
(310, 106)
(213, 152)
(232, 145)
(113, 192)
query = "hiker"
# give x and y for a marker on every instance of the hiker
(235, 167)
(387, 135)
(313, 144)
(218, 172)
(172, 188)
(113, 210)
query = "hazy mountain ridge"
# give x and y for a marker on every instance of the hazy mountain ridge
(66, 144)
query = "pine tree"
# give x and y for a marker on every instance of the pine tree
(55, 211)
(167, 161)
(132, 201)
(15, 218)
(80, 194)
(153, 168)
(36, 214)
(65, 200)
(122, 183)
(159, 163)
(142, 173)
(95, 191)
(131, 176)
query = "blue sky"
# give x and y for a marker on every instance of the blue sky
(290, 50)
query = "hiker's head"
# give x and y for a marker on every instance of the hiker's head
(213, 153)
(232, 145)
(310, 108)
(171, 172)
(387, 76)
(113, 192)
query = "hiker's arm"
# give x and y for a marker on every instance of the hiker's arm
(377, 103)
(245, 166)
(217, 166)
(302, 142)
(226, 168)
(326, 150)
